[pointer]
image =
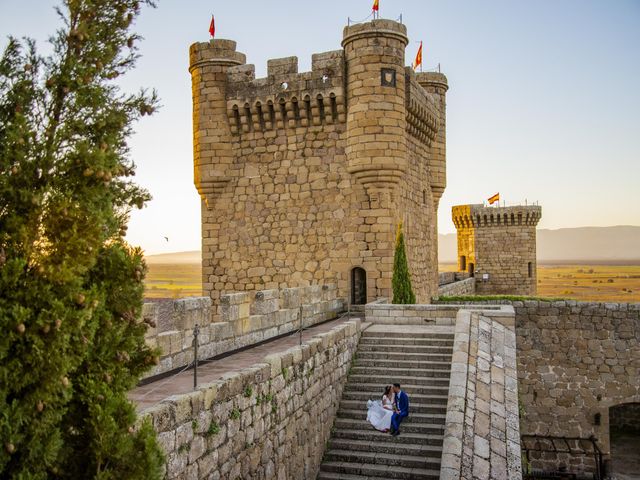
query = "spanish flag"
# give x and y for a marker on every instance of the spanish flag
(376, 6)
(494, 199)
(418, 60)
(212, 27)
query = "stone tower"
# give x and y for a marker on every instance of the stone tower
(498, 246)
(305, 176)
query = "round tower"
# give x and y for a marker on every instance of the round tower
(376, 119)
(497, 245)
(437, 85)
(212, 155)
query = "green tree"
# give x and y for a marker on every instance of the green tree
(70, 286)
(401, 282)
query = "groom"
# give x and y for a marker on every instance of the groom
(401, 409)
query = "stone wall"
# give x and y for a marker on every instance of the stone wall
(450, 277)
(305, 176)
(381, 311)
(265, 422)
(575, 360)
(461, 287)
(482, 436)
(499, 243)
(243, 319)
(625, 417)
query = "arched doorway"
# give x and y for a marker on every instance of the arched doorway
(624, 437)
(358, 286)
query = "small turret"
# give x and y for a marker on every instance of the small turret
(376, 123)
(212, 154)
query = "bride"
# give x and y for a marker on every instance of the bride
(379, 412)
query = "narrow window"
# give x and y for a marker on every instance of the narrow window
(260, 116)
(463, 263)
(307, 107)
(321, 108)
(283, 112)
(530, 268)
(296, 111)
(334, 107)
(247, 112)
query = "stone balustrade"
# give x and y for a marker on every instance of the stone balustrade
(246, 319)
(271, 420)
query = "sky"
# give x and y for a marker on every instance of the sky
(543, 105)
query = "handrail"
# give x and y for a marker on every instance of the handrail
(579, 449)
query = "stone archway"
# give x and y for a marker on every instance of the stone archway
(358, 286)
(624, 438)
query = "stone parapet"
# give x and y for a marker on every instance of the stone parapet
(460, 287)
(245, 319)
(482, 434)
(271, 420)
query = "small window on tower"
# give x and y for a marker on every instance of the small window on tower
(463, 263)
(530, 267)
(424, 197)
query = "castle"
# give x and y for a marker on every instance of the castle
(498, 247)
(304, 177)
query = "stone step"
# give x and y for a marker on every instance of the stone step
(384, 347)
(408, 388)
(363, 396)
(431, 418)
(433, 342)
(428, 335)
(408, 425)
(407, 379)
(398, 363)
(386, 471)
(370, 434)
(395, 356)
(385, 372)
(339, 476)
(385, 445)
(377, 458)
(415, 407)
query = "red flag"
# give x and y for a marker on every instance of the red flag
(376, 6)
(212, 27)
(418, 60)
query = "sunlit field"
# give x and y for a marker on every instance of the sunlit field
(611, 283)
(173, 280)
(614, 283)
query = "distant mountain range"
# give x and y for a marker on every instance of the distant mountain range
(619, 244)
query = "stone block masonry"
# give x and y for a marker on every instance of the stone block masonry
(482, 435)
(577, 363)
(305, 176)
(460, 287)
(243, 319)
(498, 246)
(270, 421)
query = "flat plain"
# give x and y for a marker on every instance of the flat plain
(610, 283)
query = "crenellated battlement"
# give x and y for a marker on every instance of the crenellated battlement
(286, 98)
(479, 216)
(305, 175)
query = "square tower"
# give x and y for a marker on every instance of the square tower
(305, 176)
(497, 245)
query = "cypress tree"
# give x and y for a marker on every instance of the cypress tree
(401, 282)
(70, 286)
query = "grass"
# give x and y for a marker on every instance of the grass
(601, 283)
(488, 298)
(173, 280)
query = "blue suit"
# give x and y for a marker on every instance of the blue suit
(402, 404)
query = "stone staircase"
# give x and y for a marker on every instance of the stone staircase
(420, 361)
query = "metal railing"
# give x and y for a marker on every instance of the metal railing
(573, 446)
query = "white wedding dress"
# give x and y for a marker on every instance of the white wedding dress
(379, 413)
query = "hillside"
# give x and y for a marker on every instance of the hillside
(175, 258)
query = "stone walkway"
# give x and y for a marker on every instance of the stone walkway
(147, 395)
